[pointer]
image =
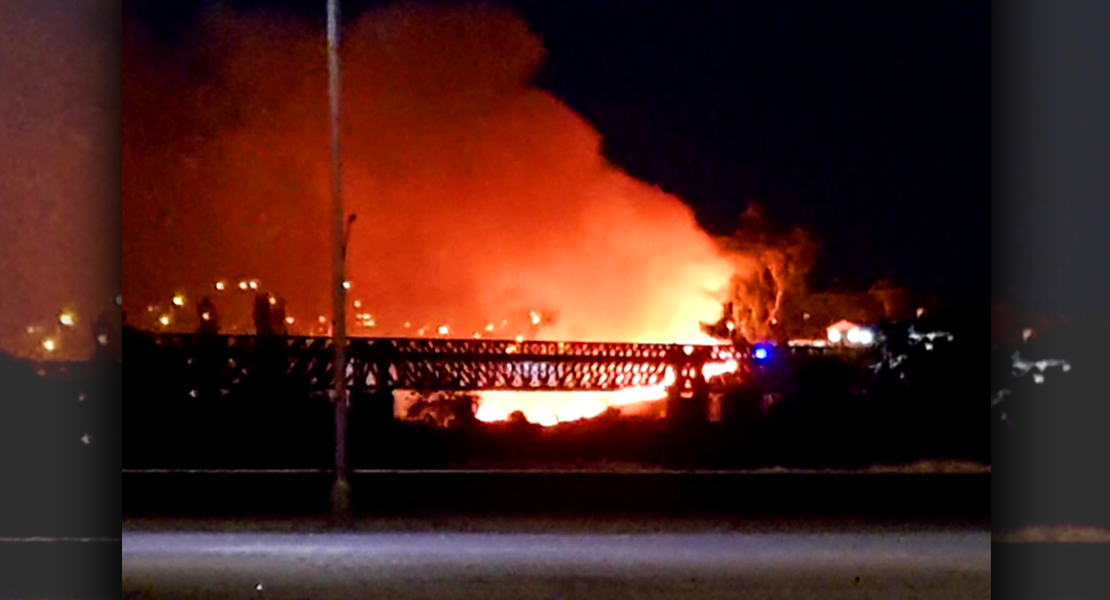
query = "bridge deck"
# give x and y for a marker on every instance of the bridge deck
(442, 363)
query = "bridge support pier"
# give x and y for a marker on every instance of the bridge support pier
(691, 409)
(376, 407)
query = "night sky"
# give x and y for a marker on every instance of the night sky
(867, 124)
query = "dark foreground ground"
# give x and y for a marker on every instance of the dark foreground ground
(961, 499)
(564, 534)
(920, 564)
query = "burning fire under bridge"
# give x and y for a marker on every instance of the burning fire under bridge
(376, 367)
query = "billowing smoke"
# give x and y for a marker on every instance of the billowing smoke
(479, 199)
(484, 205)
(771, 265)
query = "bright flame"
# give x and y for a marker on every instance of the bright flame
(164, 320)
(66, 319)
(716, 369)
(179, 300)
(549, 408)
(49, 345)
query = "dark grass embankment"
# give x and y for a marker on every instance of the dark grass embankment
(400, 500)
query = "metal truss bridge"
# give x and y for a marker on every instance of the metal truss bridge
(377, 365)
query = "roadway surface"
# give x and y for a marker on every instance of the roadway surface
(871, 563)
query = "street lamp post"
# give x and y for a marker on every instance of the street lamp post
(341, 488)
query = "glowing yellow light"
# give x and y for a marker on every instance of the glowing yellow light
(535, 317)
(253, 284)
(244, 285)
(346, 285)
(716, 369)
(220, 286)
(206, 315)
(49, 345)
(289, 320)
(322, 319)
(273, 300)
(510, 349)
(489, 327)
(688, 350)
(519, 339)
(179, 300)
(477, 335)
(66, 319)
(164, 320)
(443, 330)
(358, 303)
(407, 325)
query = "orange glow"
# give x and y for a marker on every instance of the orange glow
(481, 198)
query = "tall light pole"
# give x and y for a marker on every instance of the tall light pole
(341, 488)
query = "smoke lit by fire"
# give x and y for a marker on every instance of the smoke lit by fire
(484, 205)
(58, 186)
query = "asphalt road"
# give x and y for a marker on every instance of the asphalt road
(919, 563)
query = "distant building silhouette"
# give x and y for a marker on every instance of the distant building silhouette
(107, 340)
(263, 322)
(209, 319)
(277, 316)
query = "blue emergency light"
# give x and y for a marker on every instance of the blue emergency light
(761, 352)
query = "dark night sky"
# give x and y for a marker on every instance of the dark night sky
(867, 123)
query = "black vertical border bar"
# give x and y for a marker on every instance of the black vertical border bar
(1051, 252)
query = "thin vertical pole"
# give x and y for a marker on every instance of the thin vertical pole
(341, 489)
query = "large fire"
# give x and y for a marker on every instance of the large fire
(479, 199)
